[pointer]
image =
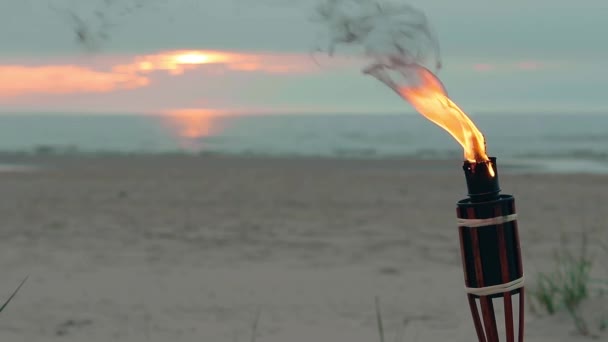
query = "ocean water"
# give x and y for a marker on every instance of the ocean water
(549, 142)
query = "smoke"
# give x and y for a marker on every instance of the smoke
(93, 21)
(394, 36)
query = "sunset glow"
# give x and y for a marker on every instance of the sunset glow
(176, 62)
(19, 80)
(59, 79)
(192, 123)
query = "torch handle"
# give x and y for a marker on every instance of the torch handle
(491, 258)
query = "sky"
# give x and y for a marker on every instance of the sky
(255, 56)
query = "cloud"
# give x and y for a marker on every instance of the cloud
(63, 79)
(530, 65)
(177, 62)
(481, 67)
(60, 79)
(526, 65)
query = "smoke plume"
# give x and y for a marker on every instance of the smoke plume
(392, 35)
(92, 21)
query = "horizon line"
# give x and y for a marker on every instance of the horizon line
(274, 112)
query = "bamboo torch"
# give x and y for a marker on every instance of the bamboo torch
(490, 250)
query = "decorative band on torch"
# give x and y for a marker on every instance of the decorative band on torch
(490, 250)
(492, 223)
(471, 223)
(490, 290)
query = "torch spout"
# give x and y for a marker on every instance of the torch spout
(482, 180)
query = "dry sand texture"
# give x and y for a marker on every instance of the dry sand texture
(189, 249)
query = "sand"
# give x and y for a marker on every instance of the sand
(174, 248)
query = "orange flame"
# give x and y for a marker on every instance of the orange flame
(430, 99)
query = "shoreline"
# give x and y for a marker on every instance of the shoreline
(14, 162)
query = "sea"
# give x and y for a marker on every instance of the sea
(547, 142)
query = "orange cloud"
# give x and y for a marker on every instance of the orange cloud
(19, 80)
(174, 62)
(178, 61)
(481, 67)
(529, 65)
(515, 66)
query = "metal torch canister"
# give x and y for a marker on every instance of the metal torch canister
(490, 250)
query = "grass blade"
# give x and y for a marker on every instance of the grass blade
(254, 327)
(12, 295)
(379, 319)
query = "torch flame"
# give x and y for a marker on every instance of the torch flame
(430, 99)
(399, 40)
(428, 96)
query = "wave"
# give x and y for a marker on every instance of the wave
(529, 140)
(574, 161)
(223, 146)
(571, 154)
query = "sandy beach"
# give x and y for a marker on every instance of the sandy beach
(177, 248)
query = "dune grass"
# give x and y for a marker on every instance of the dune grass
(380, 323)
(379, 319)
(569, 284)
(254, 326)
(13, 295)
